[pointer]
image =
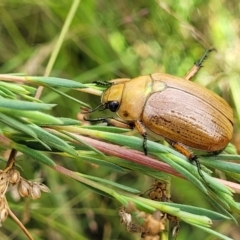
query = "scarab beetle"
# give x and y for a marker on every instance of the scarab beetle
(183, 112)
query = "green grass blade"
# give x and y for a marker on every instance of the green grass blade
(219, 235)
(24, 105)
(18, 125)
(36, 117)
(101, 163)
(199, 211)
(55, 82)
(53, 141)
(71, 98)
(114, 184)
(34, 154)
(223, 166)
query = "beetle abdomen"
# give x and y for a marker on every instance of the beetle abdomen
(183, 117)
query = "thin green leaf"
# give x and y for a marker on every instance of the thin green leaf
(15, 124)
(230, 149)
(18, 89)
(98, 191)
(139, 168)
(83, 143)
(37, 145)
(6, 93)
(62, 122)
(69, 97)
(226, 157)
(24, 105)
(37, 117)
(209, 230)
(30, 98)
(234, 176)
(185, 172)
(215, 201)
(221, 165)
(106, 129)
(114, 184)
(199, 211)
(130, 141)
(53, 141)
(34, 154)
(30, 89)
(211, 182)
(105, 164)
(55, 82)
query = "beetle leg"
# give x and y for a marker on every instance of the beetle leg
(141, 129)
(103, 83)
(191, 157)
(197, 66)
(110, 122)
(180, 148)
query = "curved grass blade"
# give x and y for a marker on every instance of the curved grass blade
(55, 82)
(185, 172)
(223, 166)
(18, 125)
(71, 98)
(106, 129)
(209, 230)
(139, 168)
(130, 141)
(199, 211)
(14, 88)
(24, 105)
(34, 154)
(30, 98)
(36, 117)
(215, 202)
(82, 142)
(226, 157)
(6, 93)
(114, 184)
(61, 122)
(53, 140)
(105, 164)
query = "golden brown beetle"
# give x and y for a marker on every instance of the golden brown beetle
(181, 111)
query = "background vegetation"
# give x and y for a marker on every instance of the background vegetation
(107, 40)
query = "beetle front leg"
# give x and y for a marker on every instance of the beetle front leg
(197, 66)
(141, 129)
(103, 83)
(191, 157)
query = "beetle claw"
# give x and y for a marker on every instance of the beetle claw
(145, 144)
(194, 159)
(103, 83)
(103, 120)
(201, 60)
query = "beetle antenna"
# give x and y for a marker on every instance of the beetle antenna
(93, 110)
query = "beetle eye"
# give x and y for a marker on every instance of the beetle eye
(113, 106)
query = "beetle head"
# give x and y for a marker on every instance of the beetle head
(112, 97)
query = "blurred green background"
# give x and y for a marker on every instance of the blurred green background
(107, 40)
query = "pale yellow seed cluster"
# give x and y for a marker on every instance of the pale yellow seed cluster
(3, 209)
(25, 189)
(152, 227)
